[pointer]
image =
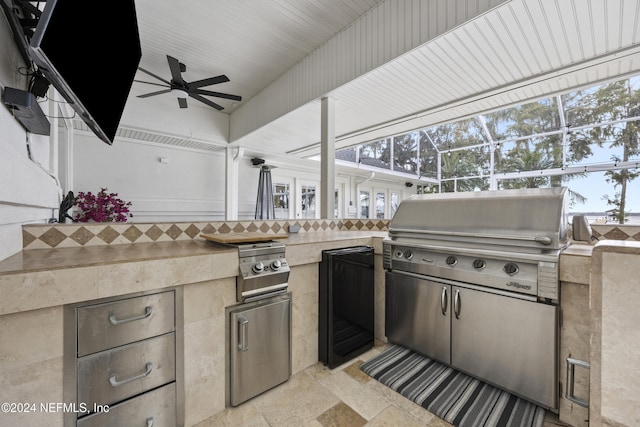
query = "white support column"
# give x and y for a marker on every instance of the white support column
(232, 159)
(65, 141)
(327, 159)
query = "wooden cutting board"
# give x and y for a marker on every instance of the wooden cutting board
(242, 237)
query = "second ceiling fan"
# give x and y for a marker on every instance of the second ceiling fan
(183, 89)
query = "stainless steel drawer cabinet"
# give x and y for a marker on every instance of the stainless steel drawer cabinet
(124, 360)
(112, 324)
(113, 375)
(156, 408)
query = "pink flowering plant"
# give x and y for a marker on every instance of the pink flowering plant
(101, 207)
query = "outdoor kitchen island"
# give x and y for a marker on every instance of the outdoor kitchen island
(36, 285)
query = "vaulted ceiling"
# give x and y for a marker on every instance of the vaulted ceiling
(391, 65)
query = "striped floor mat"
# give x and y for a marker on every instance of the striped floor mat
(453, 396)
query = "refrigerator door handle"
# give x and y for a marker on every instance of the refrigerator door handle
(243, 334)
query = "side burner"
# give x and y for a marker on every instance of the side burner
(264, 271)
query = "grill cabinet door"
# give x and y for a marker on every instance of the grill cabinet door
(506, 341)
(417, 315)
(260, 353)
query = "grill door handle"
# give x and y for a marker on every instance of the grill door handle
(150, 422)
(115, 383)
(443, 301)
(456, 304)
(115, 321)
(243, 334)
(543, 240)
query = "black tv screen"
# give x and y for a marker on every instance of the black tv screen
(90, 51)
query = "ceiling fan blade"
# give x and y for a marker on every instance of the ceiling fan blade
(205, 101)
(176, 75)
(153, 75)
(150, 83)
(182, 102)
(218, 94)
(154, 93)
(208, 82)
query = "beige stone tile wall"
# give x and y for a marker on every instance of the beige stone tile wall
(379, 298)
(615, 335)
(31, 367)
(303, 284)
(204, 347)
(574, 343)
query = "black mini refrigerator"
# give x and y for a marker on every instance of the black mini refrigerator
(345, 317)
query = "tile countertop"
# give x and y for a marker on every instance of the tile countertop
(575, 263)
(41, 278)
(51, 259)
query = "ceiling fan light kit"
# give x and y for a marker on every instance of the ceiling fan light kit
(182, 89)
(179, 93)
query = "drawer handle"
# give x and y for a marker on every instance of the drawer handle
(114, 321)
(115, 383)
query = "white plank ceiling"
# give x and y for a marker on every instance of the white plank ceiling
(391, 65)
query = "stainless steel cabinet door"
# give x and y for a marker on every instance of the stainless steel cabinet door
(506, 341)
(417, 315)
(260, 348)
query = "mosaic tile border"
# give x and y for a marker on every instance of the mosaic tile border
(616, 231)
(47, 236)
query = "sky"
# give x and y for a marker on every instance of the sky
(594, 186)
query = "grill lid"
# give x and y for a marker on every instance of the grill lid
(524, 218)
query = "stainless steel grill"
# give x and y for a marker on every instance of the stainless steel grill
(472, 280)
(508, 239)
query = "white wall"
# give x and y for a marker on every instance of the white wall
(161, 114)
(28, 194)
(190, 186)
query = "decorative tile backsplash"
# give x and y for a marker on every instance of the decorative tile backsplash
(46, 236)
(616, 231)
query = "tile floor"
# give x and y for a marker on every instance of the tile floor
(342, 397)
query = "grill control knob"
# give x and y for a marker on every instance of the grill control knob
(258, 268)
(399, 254)
(479, 263)
(511, 268)
(451, 260)
(276, 264)
(408, 254)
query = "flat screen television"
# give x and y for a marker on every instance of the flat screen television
(89, 51)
